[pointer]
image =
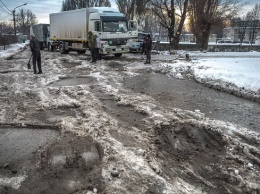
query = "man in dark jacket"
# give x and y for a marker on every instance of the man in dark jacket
(148, 47)
(36, 53)
(92, 43)
(143, 45)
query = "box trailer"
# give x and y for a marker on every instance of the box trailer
(69, 30)
(41, 32)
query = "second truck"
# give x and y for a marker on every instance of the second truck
(69, 30)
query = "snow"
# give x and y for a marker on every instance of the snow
(14, 48)
(238, 69)
(241, 69)
(243, 72)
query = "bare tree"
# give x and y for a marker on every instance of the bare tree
(6, 34)
(127, 7)
(142, 10)
(78, 4)
(172, 15)
(254, 16)
(136, 9)
(25, 18)
(183, 8)
(205, 13)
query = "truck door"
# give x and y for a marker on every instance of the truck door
(97, 26)
(133, 28)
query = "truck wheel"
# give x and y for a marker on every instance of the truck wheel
(62, 49)
(118, 54)
(50, 47)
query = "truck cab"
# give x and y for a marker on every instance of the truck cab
(113, 30)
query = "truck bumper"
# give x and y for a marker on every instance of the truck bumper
(106, 50)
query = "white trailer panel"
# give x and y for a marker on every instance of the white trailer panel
(69, 25)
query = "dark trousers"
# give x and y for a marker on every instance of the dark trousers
(98, 55)
(148, 55)
(94, 54)
(37, 58)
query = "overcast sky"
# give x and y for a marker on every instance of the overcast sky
(42, 8)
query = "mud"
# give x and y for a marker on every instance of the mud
(122, 128)
(18, 142)
(189, 95)
(67, 165)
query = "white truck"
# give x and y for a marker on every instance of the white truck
(69, 30)
(41, 32)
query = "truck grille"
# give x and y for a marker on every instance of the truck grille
(117, 41)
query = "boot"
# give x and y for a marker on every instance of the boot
(146, 62)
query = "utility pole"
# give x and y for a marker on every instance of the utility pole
(14, 17)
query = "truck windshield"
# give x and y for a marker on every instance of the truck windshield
(118, 26)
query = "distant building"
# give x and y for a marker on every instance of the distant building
(191, 38)
(247, 31)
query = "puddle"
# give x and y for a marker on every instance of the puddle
(73, 81)
(47, 115)
(189, 95)
(16, 143)
(126, 114)
(70, 65)
(116, 65)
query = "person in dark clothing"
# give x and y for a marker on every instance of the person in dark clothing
(148, 48)
(92, 43)
(143, 45)
(36, 53)
(98, 47)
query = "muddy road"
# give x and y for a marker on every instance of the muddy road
(119, 126)
(190, 95)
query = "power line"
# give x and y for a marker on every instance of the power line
(5, 6)
(5, 10)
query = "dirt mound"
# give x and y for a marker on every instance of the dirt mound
(67, 165)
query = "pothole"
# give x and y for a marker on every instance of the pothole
(116, 65)
(18, 142)
(70, 65)
(74, 81)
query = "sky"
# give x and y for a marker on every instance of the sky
(41, 8)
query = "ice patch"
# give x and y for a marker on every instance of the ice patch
(14, 182)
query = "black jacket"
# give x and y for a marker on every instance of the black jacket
(35, 44)
(148, 44)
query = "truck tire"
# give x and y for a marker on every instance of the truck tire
(62, 49)
(50, 47)
(118, 54)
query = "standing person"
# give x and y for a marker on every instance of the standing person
(92, 46)
(148, 48)
(143, 45)
(36, 53)
(98, 54)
